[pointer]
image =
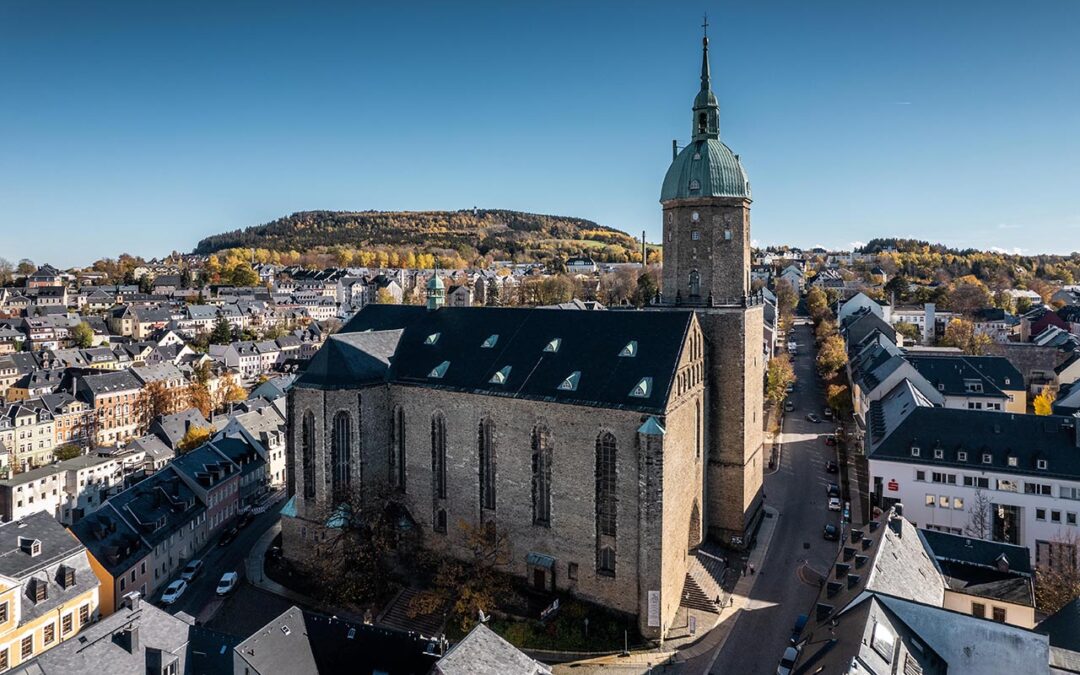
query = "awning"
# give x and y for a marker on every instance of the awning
(540, 560)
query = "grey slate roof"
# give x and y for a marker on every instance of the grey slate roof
(977, 552)
(109, 383)
(483, 652)
(950, 373)
(171, 428)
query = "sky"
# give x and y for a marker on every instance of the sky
(142, 127)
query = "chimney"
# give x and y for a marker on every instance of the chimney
(128, 638)
(896, 524)
(930, 326)
(898, 509)
(131, 600)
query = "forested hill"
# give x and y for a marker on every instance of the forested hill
(497, 234)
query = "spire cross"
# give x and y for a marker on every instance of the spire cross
(705, 25)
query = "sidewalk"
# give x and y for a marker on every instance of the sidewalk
(691, 655)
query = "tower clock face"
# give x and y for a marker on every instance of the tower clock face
(694, 216)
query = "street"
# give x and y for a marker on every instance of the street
(798, 554)
(200, 599)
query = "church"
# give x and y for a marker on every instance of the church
(607, 446)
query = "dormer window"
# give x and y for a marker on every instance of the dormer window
(432, 339)
(41, 590)
(987, 458)
(961, 456)
(489, 342)
(1012, 460)
(939, 453)
(630, 349)
(571, 381)
(1040, 464)
(500, 376)
(553, 346)
(643, 388)
(439, 370)
(915, 451)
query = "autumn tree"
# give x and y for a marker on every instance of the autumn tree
(778, 375)
(838, 397)
(1044, 402)
(909, 330)
(157, 399)
(242, 274)
(817, 303)
(647, 288)
(194, 437)
(384, 297)
(968, 295)
(82, 335)
(832, 355)
(786, 297)
(961, 333)
(230, 391)
(1057, 579)
(67, 451)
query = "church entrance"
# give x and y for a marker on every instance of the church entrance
(539, 579)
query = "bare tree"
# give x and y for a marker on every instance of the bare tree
(980, 521)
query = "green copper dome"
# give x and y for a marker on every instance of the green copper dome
(705, 168)
(435, 283)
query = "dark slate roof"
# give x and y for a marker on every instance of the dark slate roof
(351, 359)
(109, 383)
(110, 539)
(205, 465)
(242, 453)
(171, 428)
(1028, 438)
(858, 326)
(589, 343)
(1063, 627)
(302, 643)
(56, 544)
(162, 498)
(977, 552)
(950, 373)
(483, 652)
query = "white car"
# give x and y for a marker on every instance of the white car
(228, 583)
(834, 503)
(192, 570)
(787, 661)
(173, 592)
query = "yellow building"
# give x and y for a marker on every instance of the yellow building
(48, 592)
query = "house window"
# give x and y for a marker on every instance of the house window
(84, 615)
(1070, 518)
(3, 612)
(27, 647)
(1012, 461)
(4, 659)
(1040, 464)
(1040, 514)
(48, 634)
(541, 476)
(931, 500)
(999, 614)
(41, 590)
(987, 458)
(440, 520)
(961, 456)
(1055, 516)
(915, 451)
(571, 571)
(943, 502)
(694, 286)
(606, 502)
(66, 624)
(939, 453)
(486, 447)
(920, 475)
(978, 609)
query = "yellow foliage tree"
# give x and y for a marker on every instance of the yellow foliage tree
(1044, 402)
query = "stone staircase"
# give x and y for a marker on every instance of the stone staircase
(704, 579)
(396, 615)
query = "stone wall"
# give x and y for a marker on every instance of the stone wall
(720, 254)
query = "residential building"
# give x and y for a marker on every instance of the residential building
(973, 382)
(114, 397)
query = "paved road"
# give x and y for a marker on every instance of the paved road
(200, 599)
(798, 490)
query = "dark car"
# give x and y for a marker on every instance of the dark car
(831, 532)
(830, 440)
(831, 467)
(228, 536)
(245, 519)
(827, 412)
(797, 629)
(811, 417)
(834, 490)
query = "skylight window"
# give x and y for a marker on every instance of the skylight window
(490, 342)
(439, 370)
(630, 349)
(571, 382)
(643, 388)
(432, 339)
(554, 345)
(500, 376)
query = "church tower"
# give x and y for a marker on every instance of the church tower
(706, 217)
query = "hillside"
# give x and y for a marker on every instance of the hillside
(472, 233)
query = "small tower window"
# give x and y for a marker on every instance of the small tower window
(727, 235)
(439, 370)
(571, 382)
(702, 123)
(695, 235)
(554, 345)
(695, 284)
(490, 342)
(697, 156)
(670, 218)
(695, 185)
(694, 216)
(501, 376)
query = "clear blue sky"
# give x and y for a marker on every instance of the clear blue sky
(144, 126)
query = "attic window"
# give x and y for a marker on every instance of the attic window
(490, 342)
(939, 453)
(1012, 460)
(915, 451)
(941, 387)
(439, 370)
(571, 382)
(285, 630)
(41, 590)
(554, 345)
(501, 376)
(1040, 464)
(643, 388)
(67, 576)
(695, 184)
(432, 339)
(961, 456)
(883, 642)
(630, 349)
(987, 458)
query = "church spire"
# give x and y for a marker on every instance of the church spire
(706, 109)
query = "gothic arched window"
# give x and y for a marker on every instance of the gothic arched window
(606, 503)
(438, 456)
(486, 448)
(340, 454)
(307, 453)
(397, 449)
(541, 476)
(695, 284)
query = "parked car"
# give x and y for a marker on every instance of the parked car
(173, 592)
(811, 417)
(834, 503)
(831, 532)
(790, 388)
(832, 489)
(245, 519)
(787, 661)
(192, 570)
(830, 439)
(797, 629)
(228, 583)
(789, 406)
(831, 467)
(827, 413)
(228, 536)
